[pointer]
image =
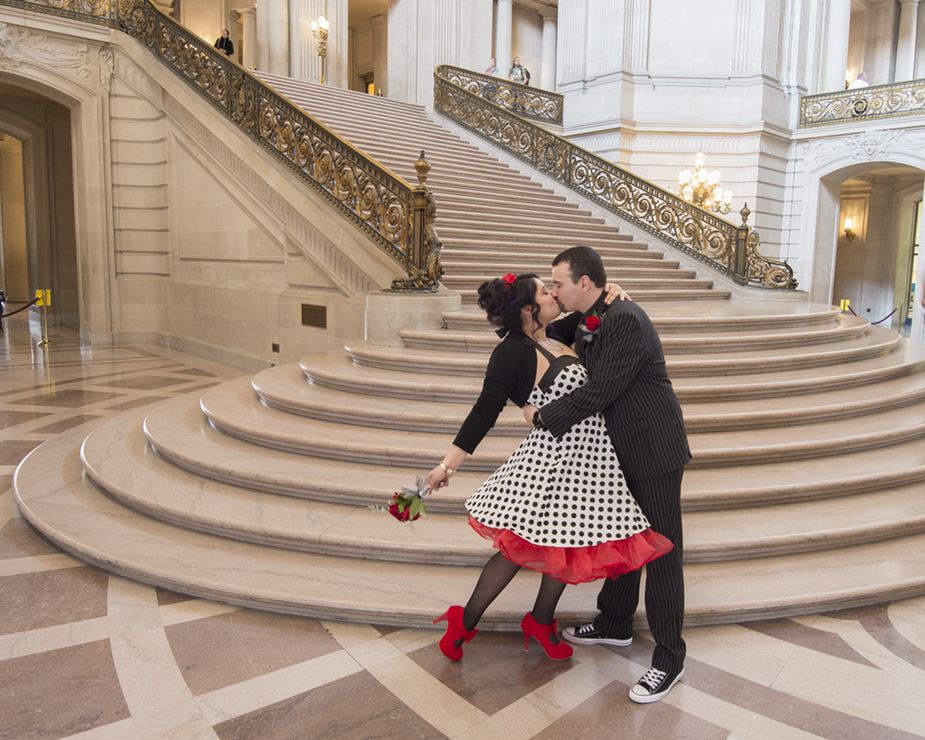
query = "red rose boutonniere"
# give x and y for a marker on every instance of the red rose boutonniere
(589, 327)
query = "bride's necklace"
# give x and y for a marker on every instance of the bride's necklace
(552, 345)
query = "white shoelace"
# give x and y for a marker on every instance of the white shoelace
(653, 678)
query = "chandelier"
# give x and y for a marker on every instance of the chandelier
(703, 189)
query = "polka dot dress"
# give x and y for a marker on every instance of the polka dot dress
(561, 493)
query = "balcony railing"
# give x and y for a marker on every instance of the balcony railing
(526, 102)
(863, 104)
(383, 205)
(730, 250)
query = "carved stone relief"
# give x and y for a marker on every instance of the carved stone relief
(19, 46)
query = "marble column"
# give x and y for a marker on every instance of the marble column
(278, 36)
(249, 43)
(503, 36)
(836, 48)
(263, 35)
(905, 47)
(548, 67)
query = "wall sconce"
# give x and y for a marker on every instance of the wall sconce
(320, 29)
(849, 229)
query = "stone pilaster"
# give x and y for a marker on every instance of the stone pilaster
(905, 47)
(550, 41)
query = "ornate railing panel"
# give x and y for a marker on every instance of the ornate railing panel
(863, 104)
(732, 251)
(381, 203)
(96, 11)
(525, 101)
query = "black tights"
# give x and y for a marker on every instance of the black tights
(497, 573)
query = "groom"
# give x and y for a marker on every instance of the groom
(628, 384)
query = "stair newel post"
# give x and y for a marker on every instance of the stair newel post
(739, 257)
(422, 261)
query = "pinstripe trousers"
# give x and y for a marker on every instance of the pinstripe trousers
(660, 500)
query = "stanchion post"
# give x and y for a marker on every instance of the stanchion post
(44, 297)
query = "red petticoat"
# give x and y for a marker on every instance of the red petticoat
(578, 564)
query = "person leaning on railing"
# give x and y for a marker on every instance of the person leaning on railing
(224, 43)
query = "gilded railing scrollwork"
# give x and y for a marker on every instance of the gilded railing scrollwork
(525, 101)
(384, 206)
(863, 104)
(706, 237)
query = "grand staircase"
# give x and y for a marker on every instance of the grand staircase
(806, 491)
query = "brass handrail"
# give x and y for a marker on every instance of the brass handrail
(525, 101)
(863, 104)
(730, 250)
(379, 202)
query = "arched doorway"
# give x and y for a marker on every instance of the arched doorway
(876, 242)
(39, 249)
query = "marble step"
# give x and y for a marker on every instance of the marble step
(631, 284)
(489, 223)
(463, 233)
(461, 384)
(117, 458)
(64, 505)
(182, 434)
(873, 342)
(285, 388)
(505, 217)
(469, 297)
(637, 252)
(845, 328)
(666, 320)
(484, 264)
(235, 409)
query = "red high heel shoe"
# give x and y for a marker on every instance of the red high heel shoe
(543, 633)
(454, 631)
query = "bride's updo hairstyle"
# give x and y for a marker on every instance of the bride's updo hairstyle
(503, 298)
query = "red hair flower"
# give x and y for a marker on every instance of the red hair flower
(509, 278)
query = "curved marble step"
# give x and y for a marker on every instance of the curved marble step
(875, 341)
(235, 408)
(844, 328)
(285, 388)
(486, 265)
(462, 384)
(713, 318)
(179, 431)
(67, 508)
(638, 252)
(644, 296)
(116, 456)
(631, 285)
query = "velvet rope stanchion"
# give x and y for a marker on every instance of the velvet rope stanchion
(20, 310)
(874, 323)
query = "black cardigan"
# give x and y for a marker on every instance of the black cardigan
(511, 374)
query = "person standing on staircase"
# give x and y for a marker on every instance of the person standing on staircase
(627, 382)
(224, 43)
(550, 507)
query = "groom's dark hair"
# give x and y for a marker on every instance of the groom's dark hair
(583, 261)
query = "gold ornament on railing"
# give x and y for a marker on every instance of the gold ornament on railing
(863, 104)
(703, 189)
(426, 279)
(702, 235)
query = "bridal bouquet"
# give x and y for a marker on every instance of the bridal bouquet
(408, 504)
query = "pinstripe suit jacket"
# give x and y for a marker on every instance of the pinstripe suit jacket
(629, 384)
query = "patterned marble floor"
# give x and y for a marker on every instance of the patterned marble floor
(87, 655)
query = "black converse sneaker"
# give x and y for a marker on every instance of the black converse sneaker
(588, 634)
(654, 685)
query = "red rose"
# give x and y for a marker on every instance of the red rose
(593, 323)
